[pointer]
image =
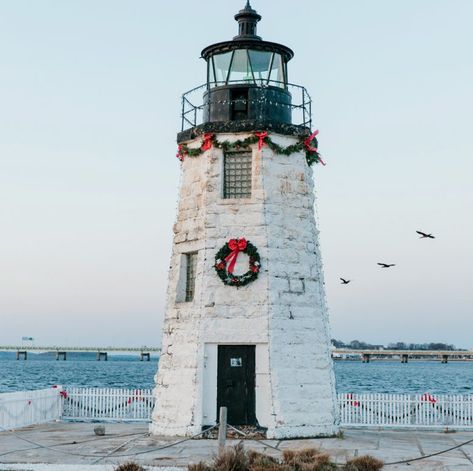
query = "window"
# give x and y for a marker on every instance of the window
(191, 262)
(237, 175)
(248, 66)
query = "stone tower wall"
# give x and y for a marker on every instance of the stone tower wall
(283, 312)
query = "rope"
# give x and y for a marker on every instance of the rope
(392, 463)
(253, 439)
(72, 443)
(429, 455)
(101, 457)
(116, 449)
(45, 447)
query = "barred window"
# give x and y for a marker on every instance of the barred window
(191, 262)
(237, 175)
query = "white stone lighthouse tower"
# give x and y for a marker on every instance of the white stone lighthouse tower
(246, 323)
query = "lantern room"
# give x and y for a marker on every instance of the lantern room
(247, 77)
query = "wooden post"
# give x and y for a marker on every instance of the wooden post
(222, 430)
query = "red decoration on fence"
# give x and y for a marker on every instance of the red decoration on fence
(236, 246)
(352, 402)
(428, 398)
(64, 394)
(208, 141)
(261, 138)
(136, 397)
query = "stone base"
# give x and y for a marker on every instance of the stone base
(158, 430)
(304, 431)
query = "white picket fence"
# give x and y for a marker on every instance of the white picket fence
(23, 408)
(108, 404)
(136, 405)
(406, 410)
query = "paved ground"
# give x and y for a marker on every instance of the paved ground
(76, 444)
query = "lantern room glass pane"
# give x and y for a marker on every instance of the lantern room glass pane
(240, 70)
(260, 63)
(277, 72)
(211, 74)
(222, 64)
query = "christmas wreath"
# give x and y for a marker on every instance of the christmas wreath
(226, 258)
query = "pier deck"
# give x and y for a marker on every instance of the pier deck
(79, 438)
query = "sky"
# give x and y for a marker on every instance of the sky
(89, 110)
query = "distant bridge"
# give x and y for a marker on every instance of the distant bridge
(61, 352)
(404, 355)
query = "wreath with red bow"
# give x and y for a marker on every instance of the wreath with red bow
(226, 258)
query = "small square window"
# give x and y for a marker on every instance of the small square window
(237, 175)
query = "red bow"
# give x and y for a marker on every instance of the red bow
(352, 402)
(310, 148)
(207, 144)
(308, 142)
(63, 394)
(180, 153)
(429, 398)
(236, 246)
(136, 397)
(262, 136)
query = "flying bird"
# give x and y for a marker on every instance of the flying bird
(423, 235)
(386, 265)
(345, 282)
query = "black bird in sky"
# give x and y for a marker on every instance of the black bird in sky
(386, 265)
(345, 282)
(423, 235)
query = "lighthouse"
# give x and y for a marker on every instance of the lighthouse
(246, 323)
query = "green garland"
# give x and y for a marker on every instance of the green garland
(308, 144)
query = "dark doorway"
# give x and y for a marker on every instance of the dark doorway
(239, 103)
(236, 383)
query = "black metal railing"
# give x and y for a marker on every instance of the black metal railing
(301, 103)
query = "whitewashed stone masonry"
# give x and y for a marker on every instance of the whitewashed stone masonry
(283, 312)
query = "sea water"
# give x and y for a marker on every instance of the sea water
(129, 372)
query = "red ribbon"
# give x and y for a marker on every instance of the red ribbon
(261, 136)
(427, 397)
(136, 397)
(63, 394)
(352, 402)
(208, 139)
(308, 142)
(310, 148)
(180, 153)
(236, 246)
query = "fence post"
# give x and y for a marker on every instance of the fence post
(222, 430)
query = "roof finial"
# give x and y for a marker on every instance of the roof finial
(247, 20)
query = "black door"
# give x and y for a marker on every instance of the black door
(236, 383)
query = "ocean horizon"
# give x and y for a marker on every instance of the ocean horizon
(127, 371)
